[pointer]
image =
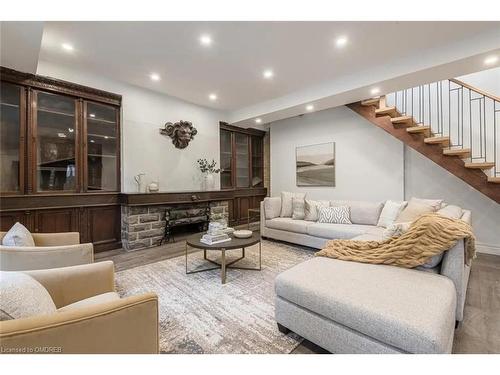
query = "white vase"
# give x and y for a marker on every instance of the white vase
(209, 181)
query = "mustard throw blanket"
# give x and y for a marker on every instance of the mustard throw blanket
(429, 235)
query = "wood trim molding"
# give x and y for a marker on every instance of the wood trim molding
(249, 131)
(59, 86)
(46, 201)
(453, 164)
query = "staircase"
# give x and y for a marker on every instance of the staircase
(454, 124)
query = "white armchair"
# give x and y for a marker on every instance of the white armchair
(52, 250)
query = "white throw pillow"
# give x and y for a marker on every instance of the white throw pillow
(390, 213)
(287, 204)
(18, 235)
(298, 208)
(22, 296)
(311, 209)
(451, 211)
(334, 215)
(416, 208)
(272, 207)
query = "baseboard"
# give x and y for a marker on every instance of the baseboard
(488, 249)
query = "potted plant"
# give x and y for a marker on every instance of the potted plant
(208, 169)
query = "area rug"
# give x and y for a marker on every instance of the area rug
(200, 315)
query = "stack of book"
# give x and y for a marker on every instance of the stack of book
(212, 239)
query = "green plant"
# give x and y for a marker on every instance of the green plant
(206, 167)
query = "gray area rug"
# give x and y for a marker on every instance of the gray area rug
(200, 315)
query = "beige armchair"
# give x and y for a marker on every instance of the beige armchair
(120, 325)
(52, 250)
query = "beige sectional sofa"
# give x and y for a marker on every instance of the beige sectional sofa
(349, 307)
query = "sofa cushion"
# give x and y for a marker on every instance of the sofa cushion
(390, 212)
(298, 208)
(334, 215)
(272, 207)
(286, 202)
(408, 309)
(340, 231)
(21, 296)
(311, 209)
(362, 212)
(91, 301)
(416, 208)
(18, 235)
(288, 224)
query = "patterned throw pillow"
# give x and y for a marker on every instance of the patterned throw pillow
(334, 215)
(298, 205)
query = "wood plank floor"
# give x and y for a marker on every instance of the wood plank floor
(478, 333)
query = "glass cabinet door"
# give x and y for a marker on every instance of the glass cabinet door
(56, 161)
(102, 147)
(257, 162)
(226, 159)
(242, 160)
(10, 137)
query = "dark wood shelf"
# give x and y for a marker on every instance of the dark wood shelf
(9, 105)
(102, 155)
(95, 119)
(54, 112)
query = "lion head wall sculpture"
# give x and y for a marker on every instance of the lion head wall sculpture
(181, 133)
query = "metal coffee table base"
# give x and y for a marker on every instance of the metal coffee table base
(223, 265)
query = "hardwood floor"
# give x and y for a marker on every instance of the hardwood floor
(478, 333)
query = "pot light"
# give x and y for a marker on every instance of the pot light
(341, 41)
(92, 141)
(268, 74)
(491, 60)
(106, 137)
(154, 77)
(212, 97)
(375, 91)
(309, 107)
(258, 120)
(67, 47)
(205, 40)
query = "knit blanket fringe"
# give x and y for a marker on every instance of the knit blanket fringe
(429, 235)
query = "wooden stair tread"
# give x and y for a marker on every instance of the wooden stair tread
(494, 180)
(401, 119)
(436, 140)
(385, 110)
(462, 152)
(372, 101)
(418, 129)
(484, 165)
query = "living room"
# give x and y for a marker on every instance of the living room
(283, 185)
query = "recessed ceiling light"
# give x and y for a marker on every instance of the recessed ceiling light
(268, 74)
(258, 120)
(375, 91)
(341, 41)
(106, 137)
(491, 60)
(67, 47)
(309, 107)
(92, 115)
(154, 77)
(205, 40)
(212, 97)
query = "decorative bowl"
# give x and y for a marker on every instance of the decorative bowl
(243, 233)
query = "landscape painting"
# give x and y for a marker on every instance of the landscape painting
(315, 165)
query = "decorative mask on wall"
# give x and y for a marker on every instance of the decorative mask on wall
(181, 133)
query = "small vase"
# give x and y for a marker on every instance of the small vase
(209, 181)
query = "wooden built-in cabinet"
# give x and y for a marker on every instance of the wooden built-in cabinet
(59, 143)
(242, 167)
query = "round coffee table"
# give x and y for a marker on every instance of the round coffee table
(235, 243)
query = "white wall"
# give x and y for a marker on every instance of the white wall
(143, 148)
(369, 163)
(486, 80)
(426, 179)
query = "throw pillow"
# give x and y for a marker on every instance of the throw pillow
(287, 204)
(311, 209)
(416, 208)
(298, 208)
(23, 296)
(272, 207)
(390, 213)
(334, 215)
(18, 235)
(396, 230)
(361, 212)
(451, 211)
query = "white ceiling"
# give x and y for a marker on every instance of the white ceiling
(303, 55)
